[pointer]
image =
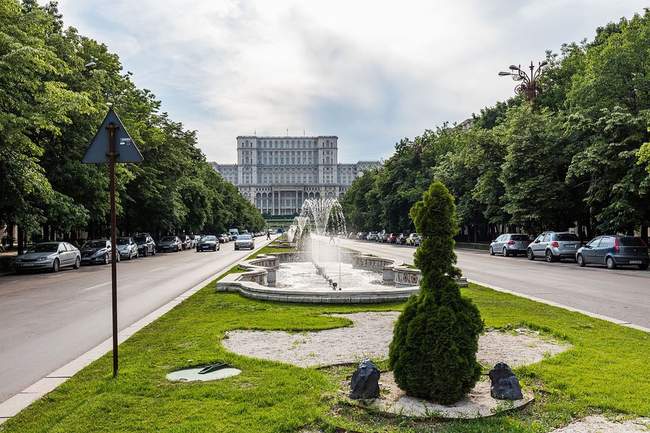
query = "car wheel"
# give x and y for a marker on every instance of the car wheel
(549, 256)
(77, 263)
(610, 263)
(55, 265)
(491, 251)
(505, 252)
(529, 254)
(580, 260)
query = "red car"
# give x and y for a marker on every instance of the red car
(392, 238)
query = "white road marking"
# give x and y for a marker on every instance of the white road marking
(96, 286)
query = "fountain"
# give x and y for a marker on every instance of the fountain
(325, 216)
(321, 269)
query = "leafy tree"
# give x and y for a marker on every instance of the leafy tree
(433, 352)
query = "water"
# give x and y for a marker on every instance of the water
(302, 276)
(320, 217)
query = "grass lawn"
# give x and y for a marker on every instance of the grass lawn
(606, 371)
(271, 249)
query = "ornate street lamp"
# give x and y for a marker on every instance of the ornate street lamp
(528, 86)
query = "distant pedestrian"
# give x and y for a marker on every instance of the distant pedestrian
(268, 234)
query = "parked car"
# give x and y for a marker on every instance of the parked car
(170, 244)
(509, 244)
(362, 236)
(244, 241)
(372, 236)
(414, 240)
(401, 239)
(207, 243)
(186, 242)
(614, 251)
(554, 246)
(127, 248)
(383, 237)
(223, 238)
(392, 238)
(97, 251)
(49, 255)
(146, 244)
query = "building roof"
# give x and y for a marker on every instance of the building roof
(278, 137)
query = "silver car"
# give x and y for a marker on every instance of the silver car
(127, 248)
(554, 246)
(509, 244)
(49, 255)
(244, 241)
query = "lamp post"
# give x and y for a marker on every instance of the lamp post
(528, 82)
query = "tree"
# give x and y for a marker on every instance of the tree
(433, 352)
(534, 171)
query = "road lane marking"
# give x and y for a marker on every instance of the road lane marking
(96, 286)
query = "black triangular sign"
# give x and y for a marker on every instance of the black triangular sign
(125, 147)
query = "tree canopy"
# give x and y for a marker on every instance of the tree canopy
(578, 157)
(55, 87)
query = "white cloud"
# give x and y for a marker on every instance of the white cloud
(368, 71)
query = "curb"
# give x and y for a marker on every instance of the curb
(565, 307)
(13, 405)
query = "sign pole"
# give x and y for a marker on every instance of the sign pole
(112, 154)
(103, 149)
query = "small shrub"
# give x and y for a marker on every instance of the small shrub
(433, 352)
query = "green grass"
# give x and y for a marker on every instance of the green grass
(270, 250)
(605, 371)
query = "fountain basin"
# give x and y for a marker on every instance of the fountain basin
(253, 290)
(291, 277)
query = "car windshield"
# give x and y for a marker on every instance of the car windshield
(122, 241)
(244, 237)
(566, 237)
(45, 248)
(95, 244)
(519, 237)
(168, 239)
(208, 238)
(632, 242)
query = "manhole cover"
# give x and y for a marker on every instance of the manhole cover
(203, 374)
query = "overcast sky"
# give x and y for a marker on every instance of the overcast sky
(370, 72)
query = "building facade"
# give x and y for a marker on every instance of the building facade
(278, 173)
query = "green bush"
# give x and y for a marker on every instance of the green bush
(433, 352)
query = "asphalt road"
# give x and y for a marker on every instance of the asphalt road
(622, 294)
(47, 320)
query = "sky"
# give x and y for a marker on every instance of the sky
(370, 72)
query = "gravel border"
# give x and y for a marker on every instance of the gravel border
(370, 336)
(599, 424)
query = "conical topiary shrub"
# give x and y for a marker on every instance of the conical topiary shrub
(433, 352)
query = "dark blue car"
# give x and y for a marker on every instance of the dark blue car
(614, 251)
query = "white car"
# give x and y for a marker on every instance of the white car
(373, 236)
(244, 241)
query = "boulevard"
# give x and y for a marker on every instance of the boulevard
(620, 294)
(48, 319)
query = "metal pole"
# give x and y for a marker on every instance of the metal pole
(111, 169)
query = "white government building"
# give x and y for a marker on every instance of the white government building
(278, 173)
